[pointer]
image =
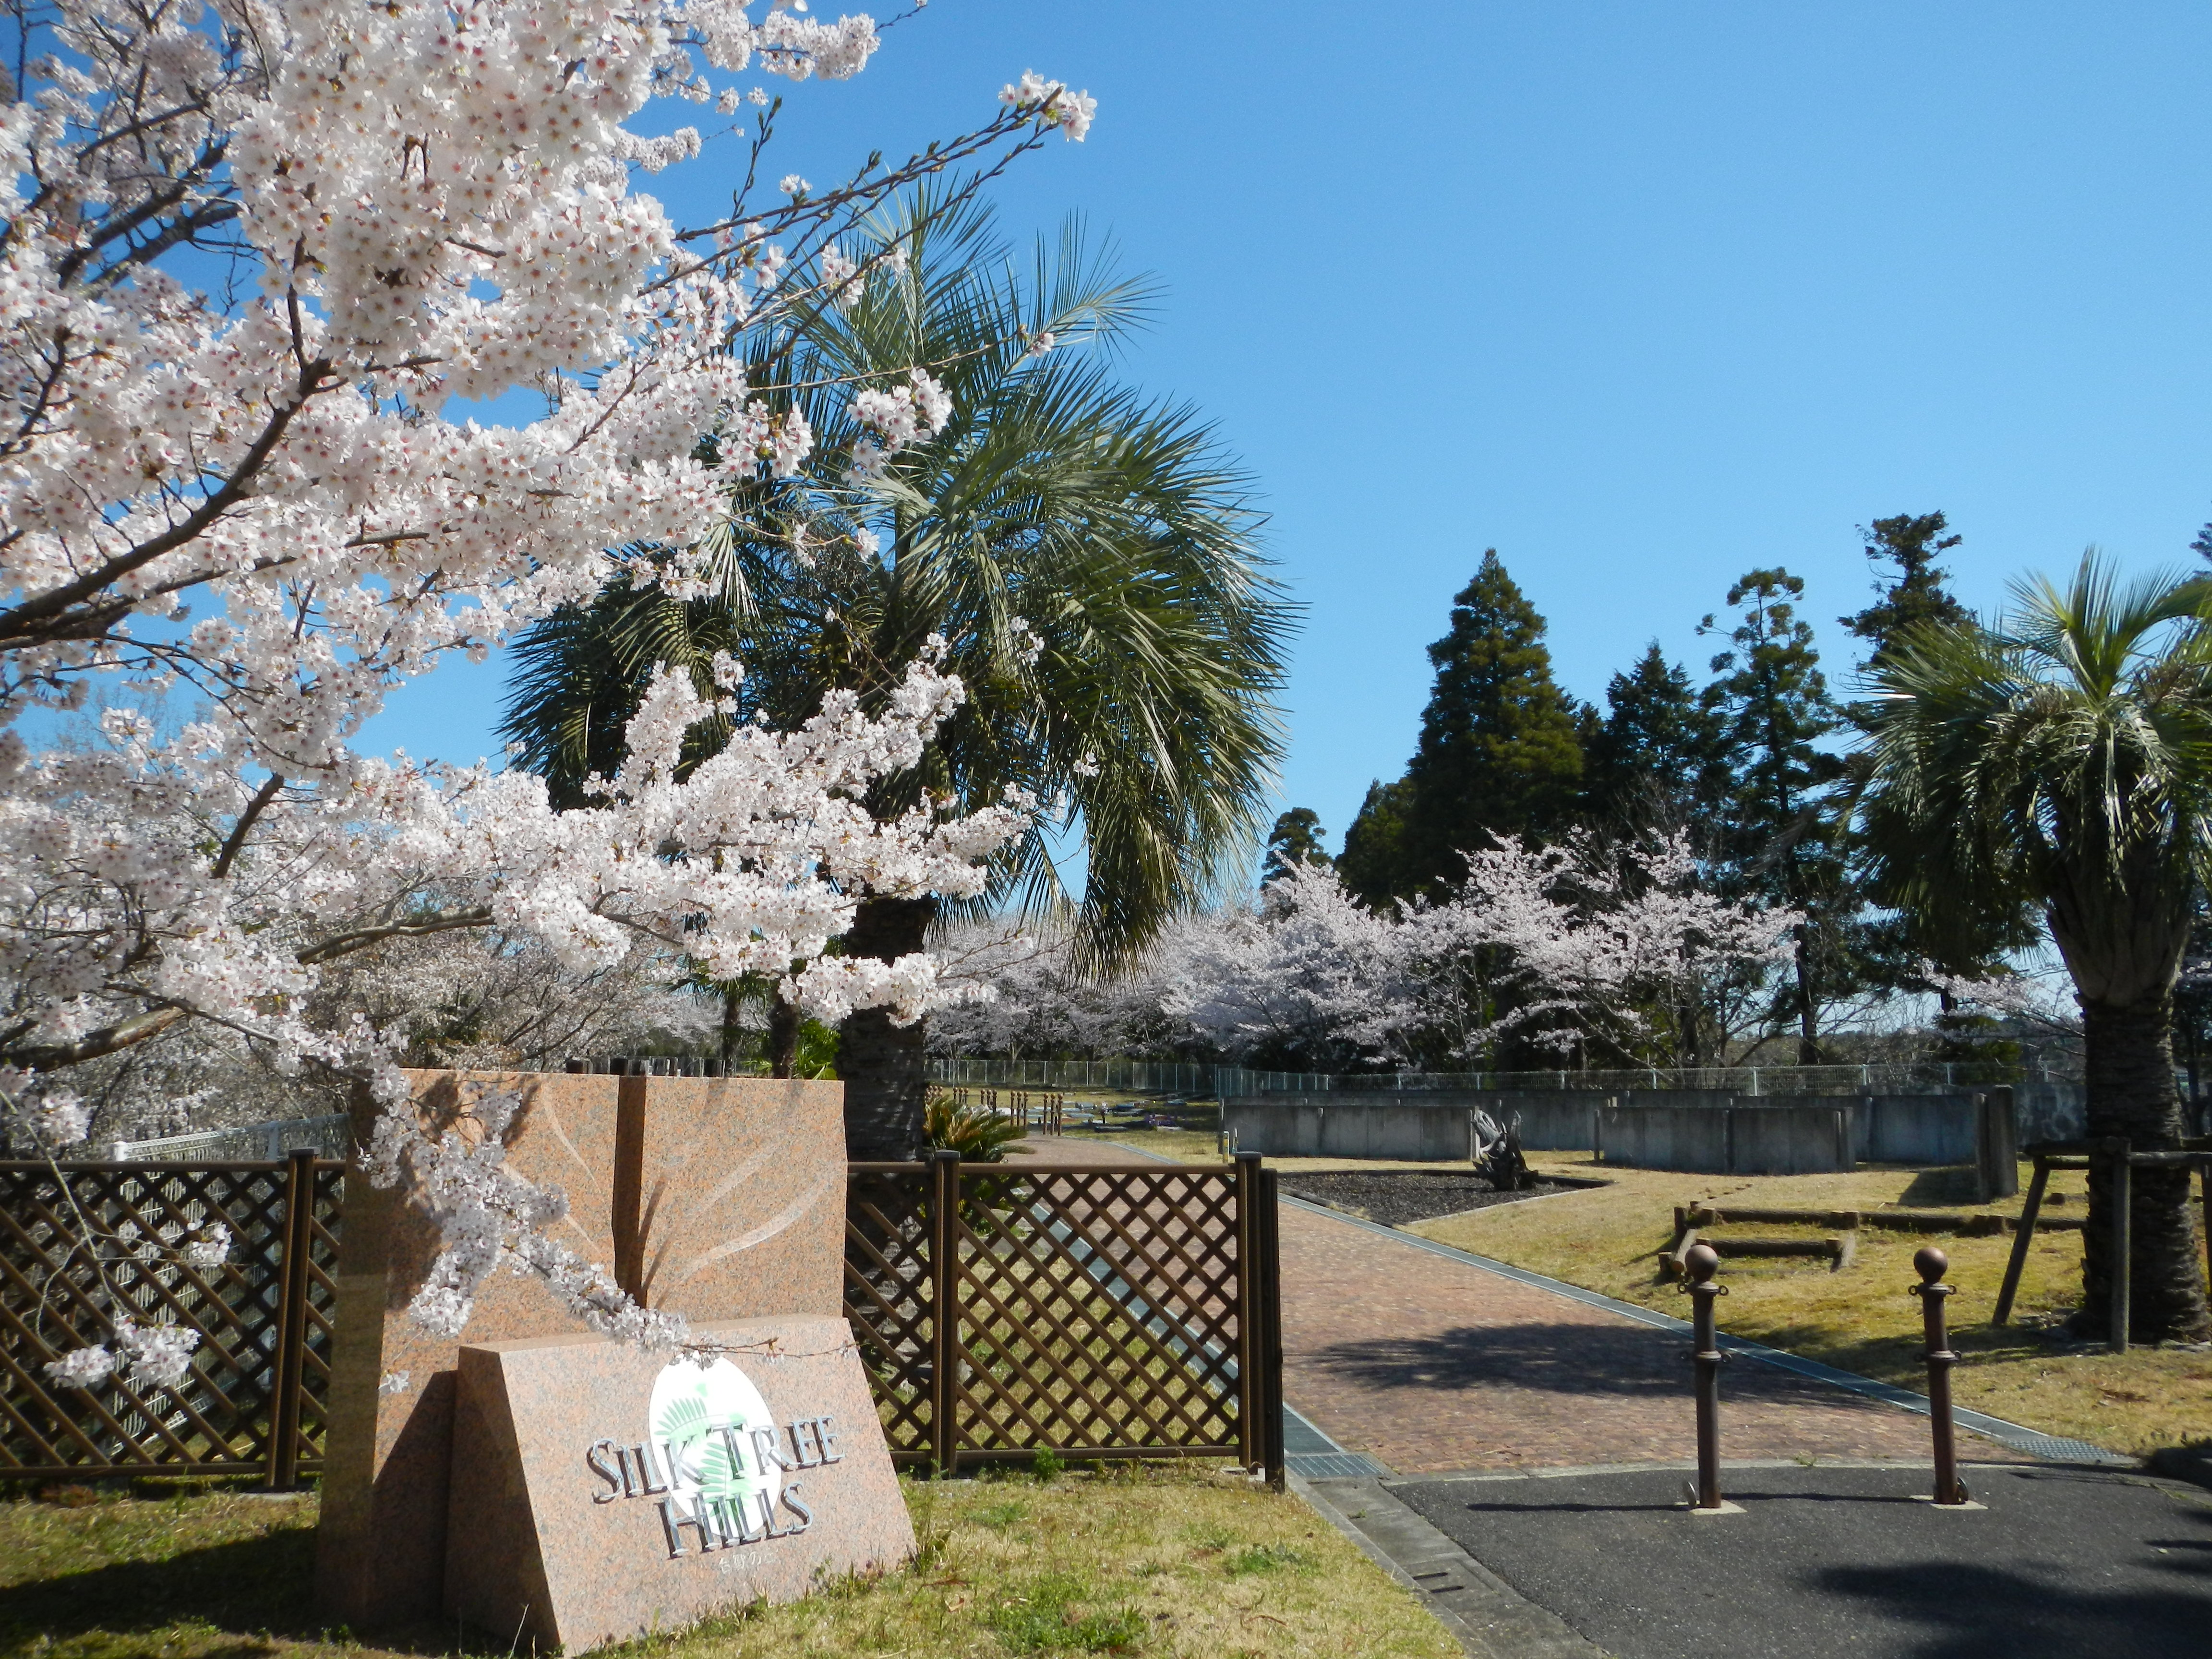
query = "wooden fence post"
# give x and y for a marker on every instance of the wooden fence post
(944, 1310)
(1271, 1328)
(291, 1360)
(1251, 1381)
(2121, 1283)
(2023, 1236)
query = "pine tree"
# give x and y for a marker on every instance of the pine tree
(1372, 865)
(1772, 709)
(1499, 753)
(1915, 595)
(1654, 759)
(1897, 948)
(1295, 840)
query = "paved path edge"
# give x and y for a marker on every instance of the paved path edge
(2052, 1448)
(1487, 1617)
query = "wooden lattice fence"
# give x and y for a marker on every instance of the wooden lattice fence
(1093, 1312)
(252, 1403)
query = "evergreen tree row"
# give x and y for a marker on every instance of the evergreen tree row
(1749, 764)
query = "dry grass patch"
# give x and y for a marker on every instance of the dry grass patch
(1183, 1145)
(1862, 1318)
(1178, 1561)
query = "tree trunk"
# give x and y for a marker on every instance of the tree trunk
(733, 1031)
(884, 1064)
(2132, 1094)
(783, 1021)
(1808, 1017)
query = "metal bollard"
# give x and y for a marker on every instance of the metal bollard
(1701, 1263)
(1931, 1263)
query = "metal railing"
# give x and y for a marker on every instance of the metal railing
(1888, 1078)
(248, 1142)
(1220, 1082)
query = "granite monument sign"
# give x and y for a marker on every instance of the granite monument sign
(719, 1198)
(599, 1493)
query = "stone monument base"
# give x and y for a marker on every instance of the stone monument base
(599, 1493)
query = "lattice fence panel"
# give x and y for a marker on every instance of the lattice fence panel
(1096, 1311)
(1099, 1309)
(322, 1306)
(55, 1297)
(888, 1296)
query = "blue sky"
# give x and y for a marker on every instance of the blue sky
(1641, 295)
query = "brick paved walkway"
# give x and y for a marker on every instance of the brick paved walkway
(1431, 1364)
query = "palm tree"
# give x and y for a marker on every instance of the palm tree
(1085, 555)
(2063, 758)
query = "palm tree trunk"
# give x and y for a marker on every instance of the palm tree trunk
(733, 1030)
(783, 1019)
(884, 1064)
(2132, 1094)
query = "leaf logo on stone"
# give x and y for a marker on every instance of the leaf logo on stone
(689, 1408)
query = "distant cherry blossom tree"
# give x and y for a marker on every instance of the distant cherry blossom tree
(1584, 948)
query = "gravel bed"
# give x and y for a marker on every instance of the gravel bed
(1395, 1197)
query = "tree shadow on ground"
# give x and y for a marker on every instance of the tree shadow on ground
(1625, 1362)
(258, 1591)
(1976, 1612)
(1902, 1358)
(1941, 1188)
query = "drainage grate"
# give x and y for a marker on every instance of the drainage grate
(1312, 1456)
(1333, 1466)
(2064, 1451)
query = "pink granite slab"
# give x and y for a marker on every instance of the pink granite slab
(741, 1197)
(724, 1195)
(546, 1542)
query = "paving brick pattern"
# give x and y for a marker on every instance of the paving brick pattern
(1432, 1365)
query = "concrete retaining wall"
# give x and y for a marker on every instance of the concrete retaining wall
(1708, 1132)
(2051, 1111)
(1742, 1140)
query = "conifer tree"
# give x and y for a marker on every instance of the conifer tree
(1499, 753)
(1296, 840)
(1898, 949)
(1372, 865)
(1914, 595)
(1654, 759)
(1772, 710)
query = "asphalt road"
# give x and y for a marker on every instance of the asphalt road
(1837, 1561)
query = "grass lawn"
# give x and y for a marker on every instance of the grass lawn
(1184, 1145)
(1862, 1318)
(1164, 1559)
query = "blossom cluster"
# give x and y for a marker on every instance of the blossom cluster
(1572, 945)
(897, 416)
(1052, 103)
(269, 498)
(140, 898)
(489, 1217)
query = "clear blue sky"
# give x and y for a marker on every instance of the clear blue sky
(1641, 295)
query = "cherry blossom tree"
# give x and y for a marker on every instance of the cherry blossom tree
(1025, 989)
(1590, 947)
(1585, 947)
(250, 252)
(1307, 977)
